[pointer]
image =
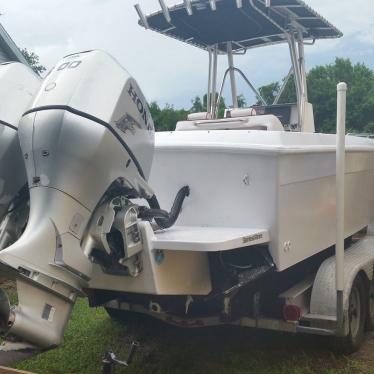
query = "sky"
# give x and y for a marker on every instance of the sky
(169, 71)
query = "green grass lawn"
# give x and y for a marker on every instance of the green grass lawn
(166, 349)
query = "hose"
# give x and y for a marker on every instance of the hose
(150, 214)
(164, 219)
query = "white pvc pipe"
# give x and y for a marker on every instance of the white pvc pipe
(340, 183)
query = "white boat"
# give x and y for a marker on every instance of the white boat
(249, 239)
(261, 167)
(281, 182)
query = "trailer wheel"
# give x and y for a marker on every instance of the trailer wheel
(357, 314)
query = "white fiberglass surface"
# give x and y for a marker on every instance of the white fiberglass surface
(255, 139)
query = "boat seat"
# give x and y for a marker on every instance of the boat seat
(240, 112)
(199, 116)
(267, 122)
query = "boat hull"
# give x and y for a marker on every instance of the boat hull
(281, 182)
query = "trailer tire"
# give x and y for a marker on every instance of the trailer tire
(357, 316)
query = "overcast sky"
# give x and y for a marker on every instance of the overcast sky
(169, 71)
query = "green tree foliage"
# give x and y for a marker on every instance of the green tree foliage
(369, 128)
(322, 81)
(166, 118)
(242, 102)
(269, 92)
(199, 105)
(360, 97)
(33, 60)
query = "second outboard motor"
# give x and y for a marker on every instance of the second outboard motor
(88, 142)
(18, 85)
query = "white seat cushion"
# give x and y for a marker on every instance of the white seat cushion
(199, 116)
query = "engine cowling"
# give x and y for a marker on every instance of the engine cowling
(87, 142)
(18, 85)
(97, 101)
(87, 130)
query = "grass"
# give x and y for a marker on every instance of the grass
(166, 349)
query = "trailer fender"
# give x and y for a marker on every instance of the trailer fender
(358, 258)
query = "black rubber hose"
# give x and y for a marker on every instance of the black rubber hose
(165, 223)
(150, 214)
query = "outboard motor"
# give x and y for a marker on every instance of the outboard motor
(88, 142)
(18, 85)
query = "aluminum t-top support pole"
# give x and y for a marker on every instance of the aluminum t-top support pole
(304, 85)
(165, 10)
(298, 79)
(340, 201)
(142, 16)
(209, 92)
(232, 75)
(213, 99)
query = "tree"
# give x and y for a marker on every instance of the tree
(165, 119)
(322, 81)
(242, 102)
(369, 128)
(268, 92)
(33, 60)
(197, 105)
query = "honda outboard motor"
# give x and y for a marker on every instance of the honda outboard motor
(18, 85)
(88, 142)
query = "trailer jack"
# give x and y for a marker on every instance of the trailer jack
(110, 360)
